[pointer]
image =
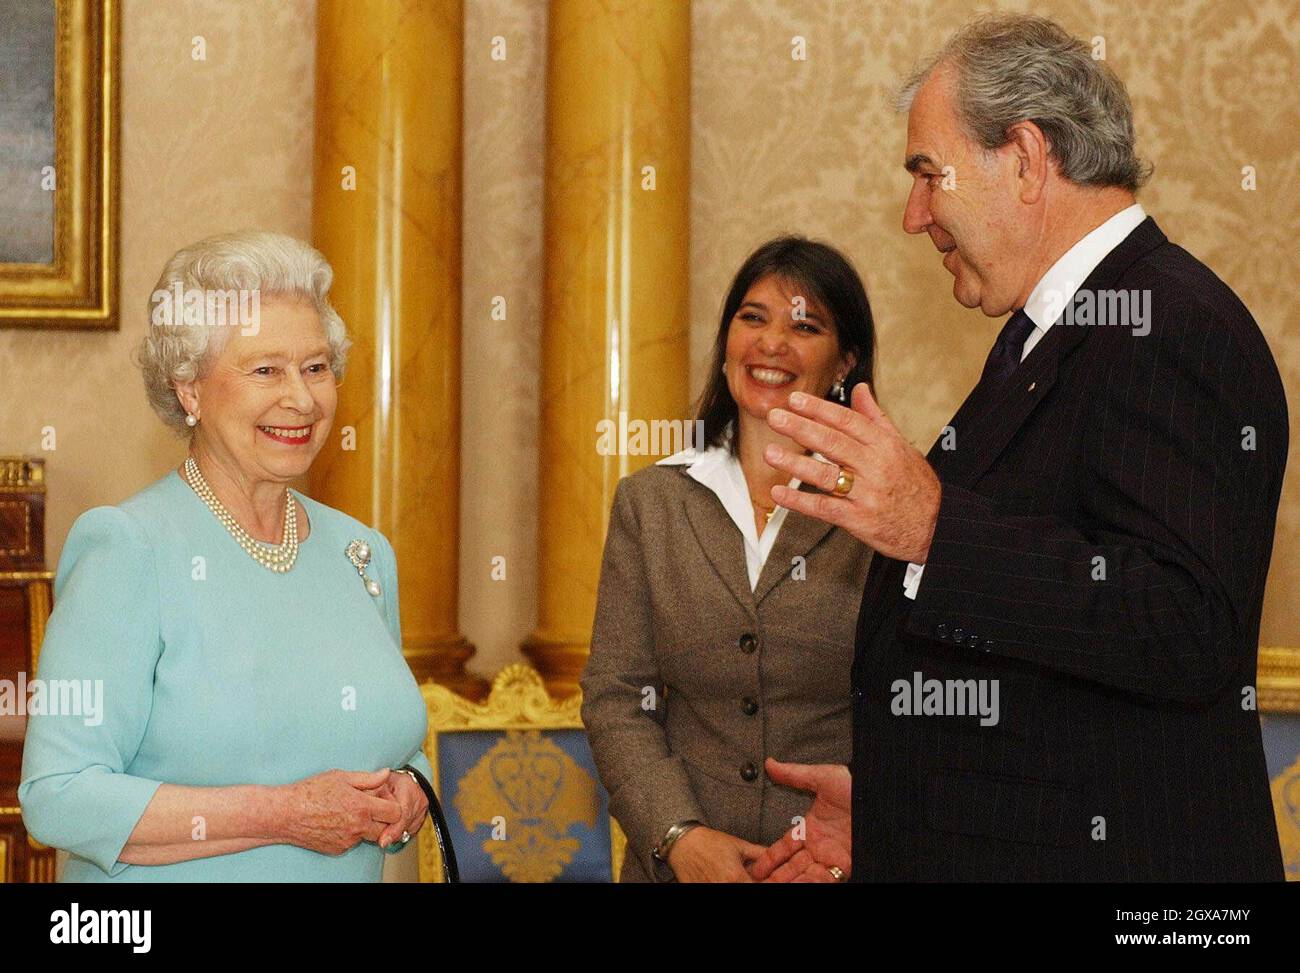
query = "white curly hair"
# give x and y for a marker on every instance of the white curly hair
(271, 265)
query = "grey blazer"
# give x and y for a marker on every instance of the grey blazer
(693, 679)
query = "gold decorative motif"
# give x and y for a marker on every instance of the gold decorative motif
(535, 792)
(38, 613)
(1278, 679)
(519, 705)
(22, 474)
(1286, 808)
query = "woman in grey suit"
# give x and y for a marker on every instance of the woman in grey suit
(724, 624)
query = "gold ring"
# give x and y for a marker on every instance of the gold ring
(836, 873)
(843, 483)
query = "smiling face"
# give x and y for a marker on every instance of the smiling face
(265, 401)
(976, 221)
(774, 349)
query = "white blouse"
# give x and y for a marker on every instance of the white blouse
(720, 471)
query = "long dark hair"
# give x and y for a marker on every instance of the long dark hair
(823, 274)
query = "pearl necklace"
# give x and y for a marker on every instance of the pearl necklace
(274, 557)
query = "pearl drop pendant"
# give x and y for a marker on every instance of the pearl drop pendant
(358, 553)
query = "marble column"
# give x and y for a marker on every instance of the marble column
(386, 214)
(614, 330)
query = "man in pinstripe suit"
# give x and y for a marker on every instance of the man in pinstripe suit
(1090, 535)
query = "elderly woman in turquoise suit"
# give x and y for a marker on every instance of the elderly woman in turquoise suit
(259, 720)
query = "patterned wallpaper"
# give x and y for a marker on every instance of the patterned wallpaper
(207, 146)
(814, 147)
(777, 144)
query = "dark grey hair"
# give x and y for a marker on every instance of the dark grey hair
(1012, 68)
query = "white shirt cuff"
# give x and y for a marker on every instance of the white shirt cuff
(912, 580)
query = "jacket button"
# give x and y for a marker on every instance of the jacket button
(987, 645)
(941, 630)
(748, 773)
(973, 640)
(748, 643)
(749, 707)
(958, 635)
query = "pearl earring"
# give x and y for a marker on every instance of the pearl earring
(191, 420)
(837, 389)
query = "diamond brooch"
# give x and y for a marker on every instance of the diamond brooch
(359, 554)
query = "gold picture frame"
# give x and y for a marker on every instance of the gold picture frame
(518, 701)
(78, 288)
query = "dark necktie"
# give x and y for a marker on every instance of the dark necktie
(1005, 356)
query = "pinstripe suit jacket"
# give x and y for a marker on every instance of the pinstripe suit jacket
(1101, 550)
(736, 675)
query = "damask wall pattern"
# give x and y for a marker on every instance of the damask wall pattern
(814, 146)
(810, 146)
(208, 144)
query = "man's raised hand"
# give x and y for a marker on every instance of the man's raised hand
(893, 504)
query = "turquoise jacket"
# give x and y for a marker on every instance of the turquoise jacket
(212, 671)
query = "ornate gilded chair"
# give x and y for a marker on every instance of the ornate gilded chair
(519, 787)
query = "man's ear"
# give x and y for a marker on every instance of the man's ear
(1031, 154)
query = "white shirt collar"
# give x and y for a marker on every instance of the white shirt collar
(718, 469)
(1064, 278)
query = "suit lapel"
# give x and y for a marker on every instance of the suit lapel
(720, 539)
(725, 548)
(799, 535)
(988, 420)
(991, 422)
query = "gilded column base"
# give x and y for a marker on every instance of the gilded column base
(560, 661)
(442, 660)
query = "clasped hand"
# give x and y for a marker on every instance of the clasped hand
(334, 811)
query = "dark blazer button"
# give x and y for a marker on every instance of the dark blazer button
(749, 707)
(958, 635)
(941, 630)
(748, 643)
(987, 645)
(973, 640)
(748, 773)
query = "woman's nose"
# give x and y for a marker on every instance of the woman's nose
(295, 392)
(772, 339)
